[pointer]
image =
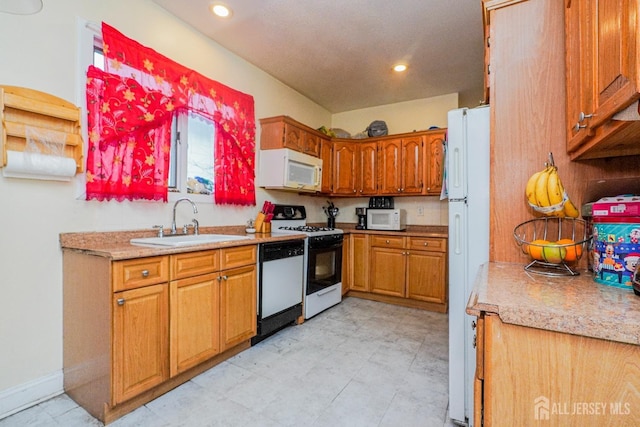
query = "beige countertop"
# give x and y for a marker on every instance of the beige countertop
(413, 230)
(574, 305)
(115, 244)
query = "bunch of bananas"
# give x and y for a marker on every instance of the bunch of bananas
(547, 196)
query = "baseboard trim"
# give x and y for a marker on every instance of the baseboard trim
(28, 394)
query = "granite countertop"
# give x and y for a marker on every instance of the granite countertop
(441, 231)
(575, 305)
(115, 244)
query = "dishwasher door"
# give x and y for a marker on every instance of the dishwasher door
(282, 284)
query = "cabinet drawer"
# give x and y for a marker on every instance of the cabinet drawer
(238, 256)
(428, 244)
(194, 263)
(135, 273)
(387, 241)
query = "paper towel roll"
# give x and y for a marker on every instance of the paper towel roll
(39, 166)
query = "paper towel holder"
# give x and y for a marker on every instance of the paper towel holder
(23, 108)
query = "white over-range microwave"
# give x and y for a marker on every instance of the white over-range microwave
(386, 219)
(285, 169)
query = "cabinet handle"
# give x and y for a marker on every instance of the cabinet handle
(219, 278)
(145, 273)
(120, 301)
(225, 277)
(426, 243)
(578, 126)
(583, 116)
(387, 242)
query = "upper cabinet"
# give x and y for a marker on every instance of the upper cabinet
(434, 144)
(354, 168)
(284, 132)
(401, 165)
(603, 78)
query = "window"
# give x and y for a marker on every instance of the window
(192, 155)
(192, 150)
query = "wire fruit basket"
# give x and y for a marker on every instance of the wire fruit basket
(554, 245)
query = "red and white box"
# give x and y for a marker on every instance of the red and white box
(625, 205)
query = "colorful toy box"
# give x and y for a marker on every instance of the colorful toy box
(615, 249)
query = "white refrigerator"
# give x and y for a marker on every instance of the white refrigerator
(467, 186)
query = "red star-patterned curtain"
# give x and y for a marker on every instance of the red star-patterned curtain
(130, 107)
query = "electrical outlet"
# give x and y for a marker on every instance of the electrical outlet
(420, 210)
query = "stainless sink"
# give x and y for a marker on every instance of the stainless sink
(186, 240)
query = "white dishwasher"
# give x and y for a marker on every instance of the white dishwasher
(280, 286)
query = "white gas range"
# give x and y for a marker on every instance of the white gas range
(322, 259)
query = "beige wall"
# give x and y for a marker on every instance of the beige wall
(401, 117)
(41, 52)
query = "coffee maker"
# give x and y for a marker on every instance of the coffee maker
(362, 218)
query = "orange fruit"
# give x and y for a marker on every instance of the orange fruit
(535, 248)
(573, 251)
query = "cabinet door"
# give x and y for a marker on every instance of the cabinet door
(388, 271)
(293, 137)
(195, 321)
(413, 171)
(435, 162)
(390, 166)
(426, 276)
(238, 309)
(359, 262)
(346, 264)
(310, 144)
(140, 340)
(579, 73)
(326, 154)
(344, 168)
(367, 168)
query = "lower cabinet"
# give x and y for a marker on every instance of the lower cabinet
(409, 269)
(140, 340)
(134, 329)
(237, 306)
(359, 260)
(528, 376)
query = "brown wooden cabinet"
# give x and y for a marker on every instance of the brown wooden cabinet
(552, 374)
(237, 306)
(326, 154)
(388, 265)
(137, 328)
(359, 258)
(427, 269)
(346, 263)
(409, 267)
(602, 77)
(140, 340)
(284, 132)
(195, 321)
(354, 168)
(402, 165)
(434, 146)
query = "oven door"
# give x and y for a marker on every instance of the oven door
(324, 264)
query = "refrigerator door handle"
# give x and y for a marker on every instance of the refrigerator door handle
(464, 199)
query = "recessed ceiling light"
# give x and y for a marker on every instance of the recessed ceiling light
(399, 68)
(221, 10)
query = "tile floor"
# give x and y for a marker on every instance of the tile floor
(360, 363)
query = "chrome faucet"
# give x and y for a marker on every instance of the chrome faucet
(174, 229)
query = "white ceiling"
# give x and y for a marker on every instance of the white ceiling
(340, 53)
